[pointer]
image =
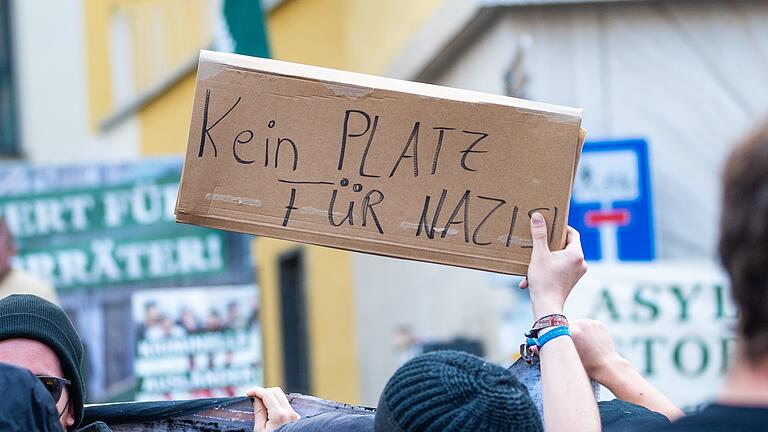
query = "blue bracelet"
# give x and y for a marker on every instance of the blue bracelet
(552, 334)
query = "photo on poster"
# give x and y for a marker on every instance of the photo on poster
(196, 342)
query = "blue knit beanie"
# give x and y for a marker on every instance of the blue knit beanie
(447, 391)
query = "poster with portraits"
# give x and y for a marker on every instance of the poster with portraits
(196, 342)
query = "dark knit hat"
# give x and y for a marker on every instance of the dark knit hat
(446, 391)
(31, 317)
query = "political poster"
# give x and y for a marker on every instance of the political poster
(102, 232)
(196, 342)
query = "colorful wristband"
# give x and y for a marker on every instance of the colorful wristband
(546, 321)
(552, 334)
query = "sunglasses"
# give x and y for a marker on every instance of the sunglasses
(54, 385)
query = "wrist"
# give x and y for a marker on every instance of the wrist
(546, 307)
(611, 371)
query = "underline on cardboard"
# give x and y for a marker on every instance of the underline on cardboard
(305, 182)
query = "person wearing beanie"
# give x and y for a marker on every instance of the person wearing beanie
(26, 404)
(449, 391)
(456, 392)
(35, 334)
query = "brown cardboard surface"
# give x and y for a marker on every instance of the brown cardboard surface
(375, 165)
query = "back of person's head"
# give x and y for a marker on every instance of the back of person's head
(448, 391)
(24, 316)
(744, 238)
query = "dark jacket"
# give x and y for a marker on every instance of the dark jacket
(26, 406)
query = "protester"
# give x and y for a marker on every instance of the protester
(417, 402)
(271, 409)
(16, 281)
(26, 404)
(743, 403)
(441, 391)
(569, 403)
(36, 335)
(453, 391)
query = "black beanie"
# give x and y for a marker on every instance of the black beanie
(31, 317)
(447, 391)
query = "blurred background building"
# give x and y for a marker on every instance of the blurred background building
(111, 81)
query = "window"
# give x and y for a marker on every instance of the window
(118, 353)
(293, 311)
(8, 145)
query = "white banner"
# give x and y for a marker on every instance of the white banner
(674, 322)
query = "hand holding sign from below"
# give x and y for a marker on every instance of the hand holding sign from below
(271, 409)
(569, 403)
(552, 275)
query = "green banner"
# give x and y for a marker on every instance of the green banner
(103, 261)
(88, 210)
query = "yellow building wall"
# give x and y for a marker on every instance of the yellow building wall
(378, 30)
(357, 35)
(97, 55)
(266, 254)
(165, 122)
(310, 31)
(333, 325)
(163, 37)
(330, 316)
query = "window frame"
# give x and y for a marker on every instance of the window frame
(9, 133)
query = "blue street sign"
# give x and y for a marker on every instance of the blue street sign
(612, 206)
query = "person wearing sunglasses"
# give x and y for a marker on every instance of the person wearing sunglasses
(36, 335)
(26, 404)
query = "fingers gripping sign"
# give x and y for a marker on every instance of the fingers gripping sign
(271, 409)
(552, 275)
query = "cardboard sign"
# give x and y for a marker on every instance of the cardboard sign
(375, 165)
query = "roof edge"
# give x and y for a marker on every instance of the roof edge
(453, 27)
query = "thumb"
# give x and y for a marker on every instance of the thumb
(539, 233)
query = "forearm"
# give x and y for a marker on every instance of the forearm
(628, 385)
(569, 402)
